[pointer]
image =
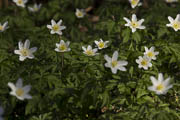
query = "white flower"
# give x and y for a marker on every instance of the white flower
(19, 91)
(62, 46)
(101, 44)
(56, 27)
(171, 1)
(160, 86)
(135, 3)
(114, 64)
(134, 24)
(89, 51)
(150, 53)
(20, 3)
(174, 23)
(24, 51)
(1, 113)
(35, 8)
(80, 13)
(144, 62)
(4, 26)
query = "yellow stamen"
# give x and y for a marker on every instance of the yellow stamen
(79, 14)
(134, 2)
(176, 25)
(150, 54)
(101, 45)
(144, 62)
(24, 52)
(1, 27)
(160, 87)
(134, 24)
(62, 47)
(114, 63)
(55, 27)
(19, 92)
(19, 1)
(89, 52)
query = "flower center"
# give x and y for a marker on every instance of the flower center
(24, 52)
(80, 14)
(19, 1)
(134, 2)
(19, 92)
(1, 27)
(35, 9)
(150, 54)
(55, 27)
(176, 25)
(160, 87)
(114, 63)
(89, 52)
(134, 24)
(144, 62)
(62, 47)
(101, 44)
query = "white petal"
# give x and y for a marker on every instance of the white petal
(153, 80)
(59, 22)
(115, 56)
(95, 50)
(62, 27)
(114, 70)
(169, 25)
(27, 44)
(107, 58)
(107, 65)
(52, 32)
(20, 45)
(5, 24)
(133, 30)
(12, 86)
(122, 62)
(19, 83)
(127, 20)
(59, 32)
(83, 48)
(160, 77)
(171, 20)
(53, 22)
(22, 58)
(31, 56)
(17, 52)
(89, 47)
(151, 88)
(96, 42)
(177, 17)
(166, 82)
(122, 68)
(140, 21)
(134, 18)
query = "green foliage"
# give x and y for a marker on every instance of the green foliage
(82, 88)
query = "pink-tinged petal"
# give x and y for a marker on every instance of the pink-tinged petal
(115, 56)
(27, 88)
(27, 96)
(49, 26)
(34, 49)
(95, 50)
(96, 42)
